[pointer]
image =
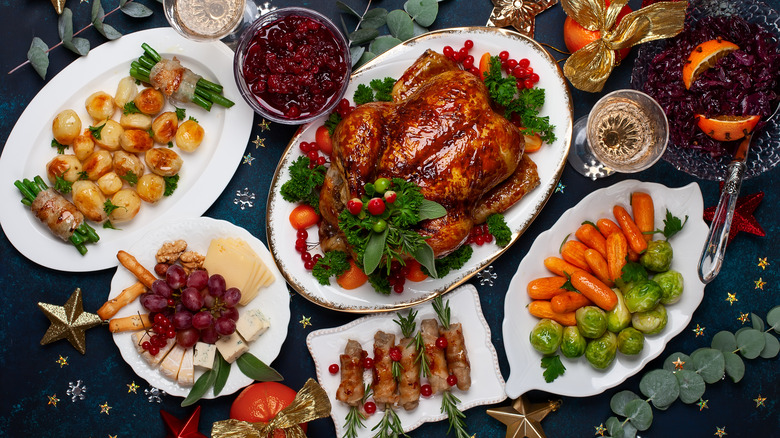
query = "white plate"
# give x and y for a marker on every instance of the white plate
(204, 174)
(487, 385)
(581, 379)
(273, 301)
(550, 161)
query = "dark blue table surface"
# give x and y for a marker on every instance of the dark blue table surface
(30, 372)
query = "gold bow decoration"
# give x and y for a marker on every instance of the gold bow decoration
(310, 403)
(589, 67)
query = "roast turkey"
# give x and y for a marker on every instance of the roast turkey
(441, 132)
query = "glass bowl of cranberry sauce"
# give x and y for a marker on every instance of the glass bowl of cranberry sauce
(292, 65)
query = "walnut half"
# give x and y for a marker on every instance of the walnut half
(191, 260)
(171, 251)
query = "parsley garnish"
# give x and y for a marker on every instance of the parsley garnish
(83, 175)
(365, 93)
(498, 228)
(60, 147)
(171, 183)
(130, 108)
(633, 272)
(130, 177)
(333, 263)
(193, 119)
(109, 206)
(303, 185)
(332, 121)
(672, 225)
(62, 185)
(552, 368)
(379, 282)
(170, 144)
(108, 224)
(150, 132)
(95, 130)
(180, 113)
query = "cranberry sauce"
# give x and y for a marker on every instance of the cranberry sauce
(294, 67)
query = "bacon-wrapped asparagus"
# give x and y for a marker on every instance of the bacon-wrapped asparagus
(351, 389)
(457, 356)
(436, 359)
(384, 384)
(409, 381)
(62, 218)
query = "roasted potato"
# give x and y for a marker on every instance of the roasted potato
(100, 105)
(126, 91)
(66, 166)
(151, 187)
(149, 101)
(163, 161)
(136, 141)
(83, 146)
(98, 164)
(109, 134)
(66, 126)
(110, 183)
(136, 121)
(90, 201)
(127, 203)
(124, 163)
(164, 127)
(189, 135)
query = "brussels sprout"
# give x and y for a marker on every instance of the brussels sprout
(671, 283)
(573, 344)
(630, 341)
(650, 322)
(591, 321)
(601, 352)
(619, 317)
(643, 296)
(546, 336)
(658, 256)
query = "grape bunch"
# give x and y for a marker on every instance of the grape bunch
(194, 307)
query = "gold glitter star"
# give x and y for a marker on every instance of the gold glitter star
(69, 322)
(523, 418)
(264, 126)
(762, 263)
(132, 387)
(248, 158)
(702, 404)
(760, 401)
(104, 408)
(760, 283)
(52, 400)
(112, 436)
(305, 321)
(600, 429)
(520, 14)
(731, 298)
(720, 431)
(743, 317)
(699, 331)
(678, 364)
(62, 361)
(259, 142)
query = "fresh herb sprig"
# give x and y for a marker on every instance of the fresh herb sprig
(332, 264)
(390, 425)
(60, 147)
(442, 310)
(62, 185)
(130, 177)
(553, 368)
(407, 323)
(453, 261)
(355, 417)
(171, 183)
(304, 183)
(419, 345)
(456, 417)
(383, 88)
(672, 225)
(499, 229)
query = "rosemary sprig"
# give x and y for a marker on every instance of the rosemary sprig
(449, 406)
(355, 416)
(390, 425)
(407, 323)
(396, 369)
(442, 311)
(419, 345)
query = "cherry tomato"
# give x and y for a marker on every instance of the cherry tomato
(323, 140)
(354, 206)
(376, 206)
(303, 216)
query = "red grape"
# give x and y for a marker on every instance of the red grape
(231, 312)
(209, 335)
(182, 320)
(209, 301)
(216, 285)
(192, 299)
(198, 279)
(160, 287)
(175, 277)
(187, 337)
(153, 303)
(225, 326)
(202, 320)
(231, 297)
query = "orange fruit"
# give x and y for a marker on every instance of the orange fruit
(261, 402)
(575, 36)
(704, 56)
(727, 128)
(303, 216)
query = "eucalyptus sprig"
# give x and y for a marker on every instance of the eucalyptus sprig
(390, 425)
(355, 416)
(685, 377)
(38, 55)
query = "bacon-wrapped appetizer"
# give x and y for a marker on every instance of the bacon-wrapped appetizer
(436, 359)
(409, 382)
(351, 389)
(62, 218)
(385, 386)
(457, 356)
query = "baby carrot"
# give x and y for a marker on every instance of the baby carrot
(644, 213)
(573, 252)
(607, 227)
(598, 265)
(545, 288)
(632, 232)
(415, 272)
(542, 309)
(559, 266)
(617, 249)
(569, 302)
(595, 290)
(589, 235)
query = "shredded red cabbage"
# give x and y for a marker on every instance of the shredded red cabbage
(745, 82)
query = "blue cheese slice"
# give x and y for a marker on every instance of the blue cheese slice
(169, 367)
(186, 374)
(231, 347)
(204, 355)
(252, 324)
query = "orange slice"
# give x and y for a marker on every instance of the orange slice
(704, 56)
(532, 143)
(727, 128)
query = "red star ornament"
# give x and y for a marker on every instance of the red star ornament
(180, 429)
(743, 215)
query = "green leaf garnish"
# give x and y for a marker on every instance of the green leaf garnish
(633, 271)
(95, 131)
(332, 264)
(442, 310)
(222, 369)
(109, 206)
(201, 387)
(130, 108)
(499, 229)
(374, 250)
(130, 177)
(83, 175)
(60, 147)
(672, 225)
(407, 323)
(389, 426)
(303, 185)
(254, 368)
(180, 113)
(552, 368)
(332, 122)
(61, 185)
(431, 210)
(109, 225)
(456, 417)
(171, 183)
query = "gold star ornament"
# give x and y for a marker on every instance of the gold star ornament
(520, 14)
(523, 418)
(59, 5)
(69, 322)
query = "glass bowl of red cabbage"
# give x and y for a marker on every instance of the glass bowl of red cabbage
(745, 82)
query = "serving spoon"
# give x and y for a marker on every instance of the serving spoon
(715, 248)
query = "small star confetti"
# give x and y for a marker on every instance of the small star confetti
(154, 395)
(62, 361)
(731, 298)
(52, 400)
(760, 401)
(104, 408)
(678, 364)
(720, 431)
(760, 283)
(77, 390)
(264, 125)
(266, 8)
(244, 199)
(486, 276)
(743, 317)
(305, 321)
(248, 158)
(259, 142)
(699, 330)
(132, 387)
(560, 187)
(702, 404)
(600, 429)
(762, 263)
(112, 436)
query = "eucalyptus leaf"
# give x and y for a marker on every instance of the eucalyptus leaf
(640, 414)
(660, 386)
(383, 44)
(200, 388)
(108, 31)
(750, 343)
(674, 357)
(343, 7)
(662, 408)
(419, 30)
(222, 369)
(424, 255)
(618, 401)
(65, 25)
(431, 210)
(692, 386)
(255, 369)
(400, 24)
(736, 333)
(39, 57)
(374, 19)
(773, 318)
(367, 56)
(771, 348)
(355, 52)
(758, 323)
(135, 10)
(79, 46)
(374, 251)
(422, 11)
(97, 12)
(619, 429)
(724, 341)
(362, 36)
(709, 364)
(735, 366)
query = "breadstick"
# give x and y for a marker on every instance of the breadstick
(128, 323)
(132, 265)
(110, 307)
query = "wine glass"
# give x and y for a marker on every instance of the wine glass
(626, 131)
(208, 20)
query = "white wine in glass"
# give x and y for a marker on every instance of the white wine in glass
(204, 20)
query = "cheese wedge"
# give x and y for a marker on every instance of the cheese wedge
(186, 374)
(142, 336)
(169, 367)
(231, 347)
(252, 324)
(242, 268)
(204, 355)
